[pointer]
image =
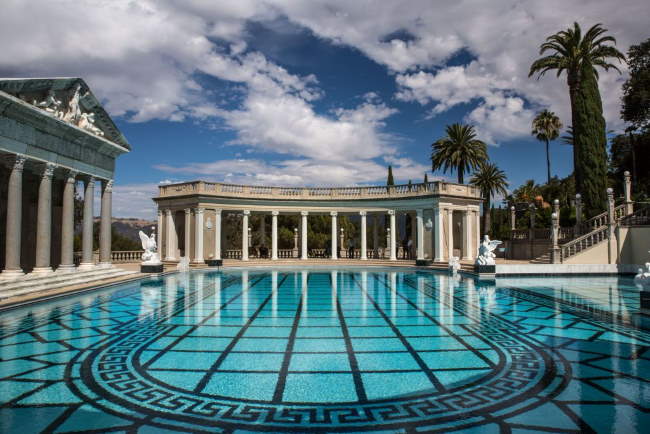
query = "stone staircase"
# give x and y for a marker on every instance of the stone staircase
(35, 283)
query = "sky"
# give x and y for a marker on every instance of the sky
(313, 92)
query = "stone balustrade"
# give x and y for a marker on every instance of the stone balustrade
(318, 193)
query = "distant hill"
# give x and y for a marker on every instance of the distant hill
(129, 227)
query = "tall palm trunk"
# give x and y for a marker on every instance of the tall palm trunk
(461, 175)
(548, 164)
(486, 214)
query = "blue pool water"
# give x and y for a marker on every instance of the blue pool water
(329, 350)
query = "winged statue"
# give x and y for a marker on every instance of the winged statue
(486, 251)
(150, 255)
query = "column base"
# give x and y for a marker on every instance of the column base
(244, 259)
(466, 258)
(364, 258)
(86, 266)
(66, 268)
(438, 259)
(11, 274)
(42, 270)
(197, 261)
(274, 259)
(105, 265)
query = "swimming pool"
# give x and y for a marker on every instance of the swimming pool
(329, 350)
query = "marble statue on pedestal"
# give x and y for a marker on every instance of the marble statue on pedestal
(486, 251)
(454, 264)
(150, 255)
(642, 279)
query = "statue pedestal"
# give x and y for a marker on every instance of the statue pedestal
(485, 270)
(151, 268)
(644, 298)
(214, 262)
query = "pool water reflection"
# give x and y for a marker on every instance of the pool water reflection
(329, 350)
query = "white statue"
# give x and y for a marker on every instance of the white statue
(183, 264)
(642, 279)
(74, 109)
(486, 251)
(87, 122)
(150, 255)
(454, 264)
(50, 104)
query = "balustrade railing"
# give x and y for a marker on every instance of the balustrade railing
(637, 218)
(319, 192)
(126, 256)
(583, 242)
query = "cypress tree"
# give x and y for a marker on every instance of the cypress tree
(426, 178)
(390, 180)
(590, 144)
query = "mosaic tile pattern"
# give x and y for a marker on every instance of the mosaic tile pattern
(330, 351)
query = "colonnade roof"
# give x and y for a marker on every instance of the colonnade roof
(319, 194)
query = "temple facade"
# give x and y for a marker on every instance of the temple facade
(444, 219)
(53, 134)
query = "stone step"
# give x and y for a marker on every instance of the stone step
(72, 278)
(35, 279)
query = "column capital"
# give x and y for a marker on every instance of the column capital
(218, 211)
(90, 181)
(19, 162)
(72, 175)
(419, 212)
(363, 213)
(168, 212)
(304, 213)
(199, 210)
(334, 213)
(275, 212)
(108, 185)
(48, 170)
(391, 212)
(246, 212)
(188, 211)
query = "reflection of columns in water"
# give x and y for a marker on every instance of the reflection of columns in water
(334, 277)
(274, 292)
(421, 299)
(217, 298)
(170, 294)
(304, 274)
(471, 295)
(200, 294)
(186, 296)
(393, 294)
(244, 301)
(364, 291)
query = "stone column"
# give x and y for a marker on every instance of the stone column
(375, 237)
(467, 236)
(334, 234)
(188, 232)
(295, 243)
(244, 235)
(555, 232)
(438, 234)
(414, 235)
(44, 221)
(513, 218)
(172, 237)
(419, 228)
(611, 227)
(531, 231)
(450, 232)
(67, 223)
(87, 231)
(342, 243)
(217, 234)
(105, 224)
(393, 244)
(14, 219)
(303, 235)
(159, 234)
(627, 190)
(477, 227)
(263, 230)
(274, 235)
(364, 247)
(577, 229)
(198, 235)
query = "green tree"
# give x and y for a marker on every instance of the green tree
(426, 178)
(390, 180)
(546, 128)
(578, 56)
(459, 150)
(491, 181)
(636, 90)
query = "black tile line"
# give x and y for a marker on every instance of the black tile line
(206, 378)
(423, 366)
(354, 365)
(284, 369)
(195, 326)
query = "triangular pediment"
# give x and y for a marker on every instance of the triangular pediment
(69, 100)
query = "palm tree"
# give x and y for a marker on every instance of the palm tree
(578, 55)
(546, 128)
(567, 138)
(491, 181)
(459, 150)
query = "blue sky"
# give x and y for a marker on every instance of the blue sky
(324, 92)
